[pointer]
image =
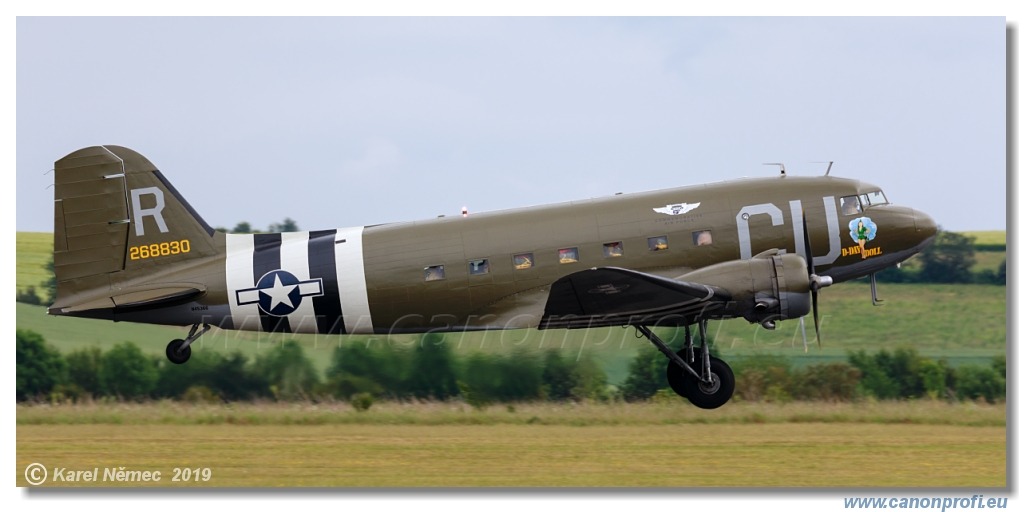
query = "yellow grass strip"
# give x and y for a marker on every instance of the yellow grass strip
(676, 456)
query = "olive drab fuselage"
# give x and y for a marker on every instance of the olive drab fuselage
(482, 271)
(129, 247)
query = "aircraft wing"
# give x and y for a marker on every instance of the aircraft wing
(609, 296)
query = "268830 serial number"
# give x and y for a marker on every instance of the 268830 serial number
(142, 252)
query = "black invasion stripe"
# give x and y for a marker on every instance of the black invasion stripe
(321, 264)
(266, 257)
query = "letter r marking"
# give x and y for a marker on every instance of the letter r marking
(156, 212)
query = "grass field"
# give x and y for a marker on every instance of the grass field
(33, 251)
(962, 324)
(987, 237)
(988, 260)
(917, 444)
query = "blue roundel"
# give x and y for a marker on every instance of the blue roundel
(279, 293)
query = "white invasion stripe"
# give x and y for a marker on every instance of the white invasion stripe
(295, 259)
(238, 275)
(355, 303)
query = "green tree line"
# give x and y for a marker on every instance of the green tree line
(898, 375)
(357, 372)
(949, 259)
(288, 225)
(362, 373)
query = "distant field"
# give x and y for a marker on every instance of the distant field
(624, 445)
(988, 260)
(987, 237)
(960, 323)
(33, 251)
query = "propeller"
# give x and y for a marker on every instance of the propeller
(816, 282)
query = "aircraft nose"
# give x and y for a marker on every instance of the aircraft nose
(925, 224)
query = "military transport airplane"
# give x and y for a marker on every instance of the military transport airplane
(128, 247)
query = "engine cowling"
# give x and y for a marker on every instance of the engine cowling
(770, 286)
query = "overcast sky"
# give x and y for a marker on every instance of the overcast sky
(352, 121)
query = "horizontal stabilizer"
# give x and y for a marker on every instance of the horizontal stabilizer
(140, 297)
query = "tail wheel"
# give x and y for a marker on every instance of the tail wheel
(177, 353)
(711, 395)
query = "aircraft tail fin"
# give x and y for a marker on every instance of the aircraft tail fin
(115, 215)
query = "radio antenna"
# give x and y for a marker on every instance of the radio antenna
(829, 169)
(782, 167)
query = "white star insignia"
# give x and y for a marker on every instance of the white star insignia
(279, 293)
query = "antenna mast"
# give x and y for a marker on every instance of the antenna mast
(782, 167)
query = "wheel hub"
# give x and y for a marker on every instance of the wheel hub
(710, 388)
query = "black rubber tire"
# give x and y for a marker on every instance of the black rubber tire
(678, 376)
(176, 356)
(718, 393)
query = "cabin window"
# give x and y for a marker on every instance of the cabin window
(433, 273)
(657, 243)
(850, 205)
(479, 267)
(522, 261)
(702, 237)
(613, 249)
(569, 255)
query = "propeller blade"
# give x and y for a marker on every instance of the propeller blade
(816, 282)
(808, 255)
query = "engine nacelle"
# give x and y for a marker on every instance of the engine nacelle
(768, 287)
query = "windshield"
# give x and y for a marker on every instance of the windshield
(873, 199)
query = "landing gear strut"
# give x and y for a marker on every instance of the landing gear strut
(178, 351)
(705, 381)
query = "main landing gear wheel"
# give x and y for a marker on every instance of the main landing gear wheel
(677, 375)
(707, 387)
(710, 395)
(178, 352)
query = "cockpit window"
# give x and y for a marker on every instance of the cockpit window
(873, 198)
(851, 206)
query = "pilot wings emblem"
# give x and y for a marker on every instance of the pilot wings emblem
(677, 209)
